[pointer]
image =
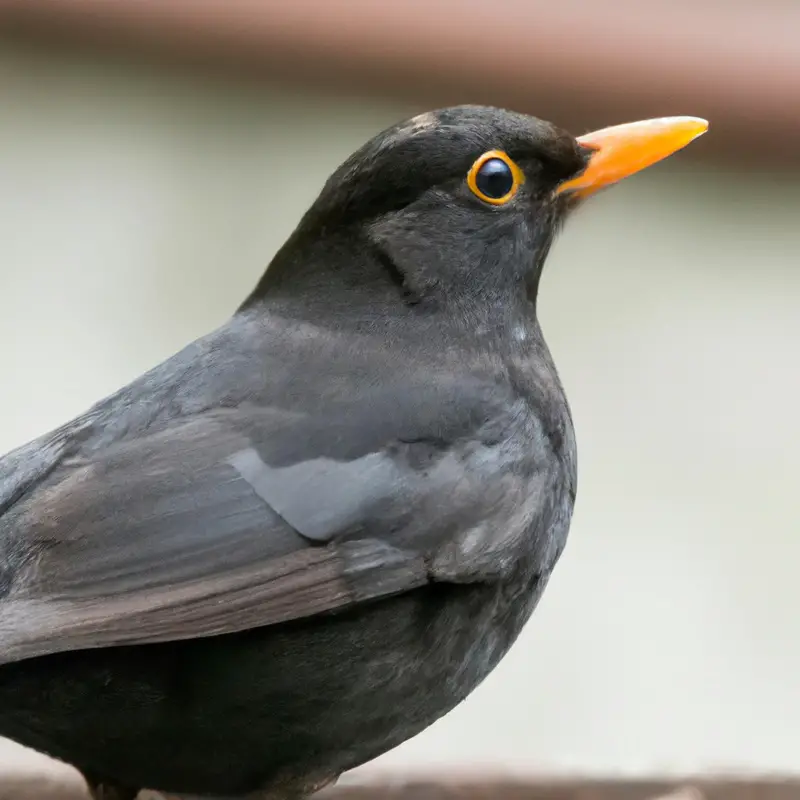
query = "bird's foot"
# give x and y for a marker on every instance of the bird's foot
(267, 794)
(105, 791)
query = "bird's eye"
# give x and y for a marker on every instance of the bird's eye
(495, 178)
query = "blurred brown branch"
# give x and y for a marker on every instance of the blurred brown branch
(450, 787)
(691, 788)
(577, 62)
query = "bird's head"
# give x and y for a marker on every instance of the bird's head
(459, 205)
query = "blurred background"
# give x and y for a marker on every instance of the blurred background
(154, 155)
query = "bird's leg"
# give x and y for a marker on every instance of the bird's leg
(268, 794)
(105, 791)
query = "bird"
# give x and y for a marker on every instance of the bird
(315, 530)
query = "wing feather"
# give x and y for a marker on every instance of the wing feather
(240, 518)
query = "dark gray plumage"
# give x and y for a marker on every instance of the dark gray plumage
(311, 533)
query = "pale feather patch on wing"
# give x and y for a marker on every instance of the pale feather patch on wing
(321, 495)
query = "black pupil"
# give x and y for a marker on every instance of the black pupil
(495, 178)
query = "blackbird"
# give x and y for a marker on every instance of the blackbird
(312, 532)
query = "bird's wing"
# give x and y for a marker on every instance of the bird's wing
(240, 518)
(31, 463)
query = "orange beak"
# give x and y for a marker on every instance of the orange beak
(623, 150)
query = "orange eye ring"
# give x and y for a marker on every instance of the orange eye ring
(479, 180)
